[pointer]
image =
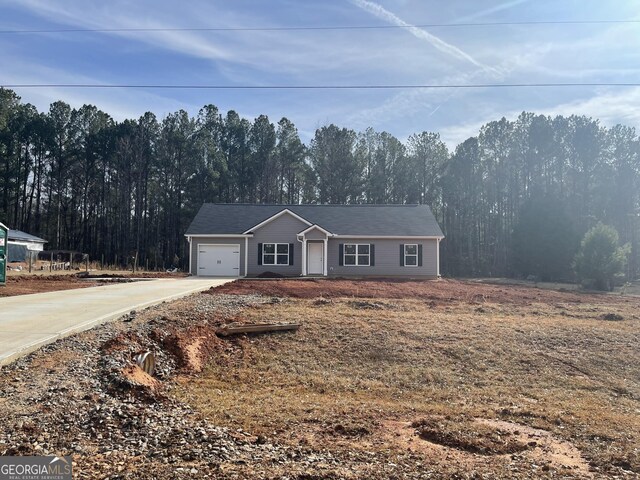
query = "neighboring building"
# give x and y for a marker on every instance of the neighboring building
(237, 240)
(21, 245)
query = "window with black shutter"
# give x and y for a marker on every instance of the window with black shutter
(277, 254)
(357, 255)
(411, 255)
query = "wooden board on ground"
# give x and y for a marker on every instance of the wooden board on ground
(236, 328)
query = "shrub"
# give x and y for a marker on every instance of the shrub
(600, 257)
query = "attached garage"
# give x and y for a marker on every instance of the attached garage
(218, 260)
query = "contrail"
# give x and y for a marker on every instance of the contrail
(488, 11)
(381, 12)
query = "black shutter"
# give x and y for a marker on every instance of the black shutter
(420, 255)
(259, 254)
(402, 254)
(341, 254)
(372, 255)
(291, 254)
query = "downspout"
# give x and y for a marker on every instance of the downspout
(190, 256)
(302, 259)
(438, 258)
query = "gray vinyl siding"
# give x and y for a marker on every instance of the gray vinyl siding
(315, 234)
(387, 259)
(195, 241)
(283, 229)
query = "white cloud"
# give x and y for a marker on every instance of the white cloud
(403, 55)
(231, 53)
(412, 102)
(125, 104)
(610, 107)
(100, 16)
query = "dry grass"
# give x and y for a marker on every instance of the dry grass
(357, 378)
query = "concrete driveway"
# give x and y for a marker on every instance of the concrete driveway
(29, 321)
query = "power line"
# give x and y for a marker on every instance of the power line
(319, 87)
(326, 27)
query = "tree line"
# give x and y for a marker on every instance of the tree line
(515, 200)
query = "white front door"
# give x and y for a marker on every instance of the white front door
(315, 258)
(219, 260)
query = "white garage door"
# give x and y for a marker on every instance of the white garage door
(219, 260)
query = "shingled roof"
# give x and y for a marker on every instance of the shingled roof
(20, 236)
(382, 220)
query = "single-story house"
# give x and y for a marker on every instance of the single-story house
(21, 244)
(244, 240)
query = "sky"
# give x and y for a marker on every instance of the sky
(560, 53)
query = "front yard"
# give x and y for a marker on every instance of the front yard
(436, 379)
(450, 378)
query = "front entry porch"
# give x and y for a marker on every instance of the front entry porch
(314, 251)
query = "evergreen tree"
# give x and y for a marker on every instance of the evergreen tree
(511, 201)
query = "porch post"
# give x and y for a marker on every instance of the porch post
(304, 257)
(326, 249)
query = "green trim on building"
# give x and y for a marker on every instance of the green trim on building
(4, 234)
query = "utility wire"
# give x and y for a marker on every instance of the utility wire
(319, 87)
(326, 27)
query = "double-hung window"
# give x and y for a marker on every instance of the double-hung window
(357, 254)
(411, 255)
(275, 254)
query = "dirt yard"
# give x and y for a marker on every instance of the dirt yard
(443, 291)
(453, 378)
(24, 283)
(438, 379)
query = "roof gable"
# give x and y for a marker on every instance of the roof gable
(313, 227)
(286, 211)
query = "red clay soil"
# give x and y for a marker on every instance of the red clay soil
(24, 285)
(137, 376)
(192, 347)
(129, 274)
(438, 291)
